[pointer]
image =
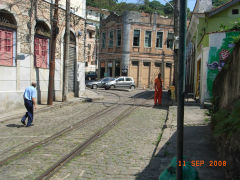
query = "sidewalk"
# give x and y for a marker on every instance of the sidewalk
(199, 144)
(87, 96)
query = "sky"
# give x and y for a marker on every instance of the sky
(190, 3)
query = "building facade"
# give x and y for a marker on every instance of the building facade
(210, 41)
(25, 35)
(93, 17)
(137, 45)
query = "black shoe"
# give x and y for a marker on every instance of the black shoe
(23, 122)
(29, 125)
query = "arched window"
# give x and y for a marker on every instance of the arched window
(41, 45)
(8, 28)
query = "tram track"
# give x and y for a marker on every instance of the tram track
(38, 111)
(59, 134)
(81, 147)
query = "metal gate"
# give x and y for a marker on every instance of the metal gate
(71, 68)
(146, 74)
(134, 72)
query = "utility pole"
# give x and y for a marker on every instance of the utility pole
(53, 49)
(163, 68)
(66, 52)
(176, 36)
(85, 37)
(180, 110)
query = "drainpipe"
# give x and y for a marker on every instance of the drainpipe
(126, 41)
(66, 52)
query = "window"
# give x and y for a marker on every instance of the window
(135, 63)
(128, 79)
(103, 40)
(136, 37)
(235, 11)
(110, 43)
(41, 52)
(168, 65)
(7, 39)
(6, 47)
(157, 64)
(148, 38)
(89, 46)
(170, 41)
(159, 40)
(105, 79)
(90, 34)
(120, 79)
(146, 63)
(119, 37)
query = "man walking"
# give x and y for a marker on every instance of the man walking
(29, 96)
(158, 90)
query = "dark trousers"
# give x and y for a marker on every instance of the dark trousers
(29, 106)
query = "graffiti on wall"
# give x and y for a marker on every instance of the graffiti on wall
(221, 46)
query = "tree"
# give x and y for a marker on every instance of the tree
(105, 4)
(217, 3)
(157, 7)
(168, 9)
(146, 6)
(91, 3)
(121, 7)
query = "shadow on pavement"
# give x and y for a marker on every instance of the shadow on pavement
(198, 145)
(15, 125)
(149, 95)
(145, 95)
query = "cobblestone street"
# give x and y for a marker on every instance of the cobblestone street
(122, 153)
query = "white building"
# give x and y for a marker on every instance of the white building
(93, 24)
(25, 36)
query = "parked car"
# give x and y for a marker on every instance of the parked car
(121, 82)
(100, 83)
(91, 75)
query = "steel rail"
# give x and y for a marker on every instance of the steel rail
(80, 148)
(48, 108)
(61, 133)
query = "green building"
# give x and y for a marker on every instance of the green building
(210, 40)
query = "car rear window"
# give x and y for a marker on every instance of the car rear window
(105, 79)
(128, 79)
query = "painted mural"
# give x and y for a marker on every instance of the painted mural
(221, 46)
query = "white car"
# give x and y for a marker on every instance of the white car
(121, 82)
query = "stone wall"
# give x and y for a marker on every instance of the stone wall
(226, 91)
(226, 86)
(14, 79)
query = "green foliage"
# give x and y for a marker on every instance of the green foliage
(236, 39)
(234, 26)
(217, 3)
(168, 8)
(227, 123)
(215, 104)
(104, 4)
(146, 6)
(121, 7)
